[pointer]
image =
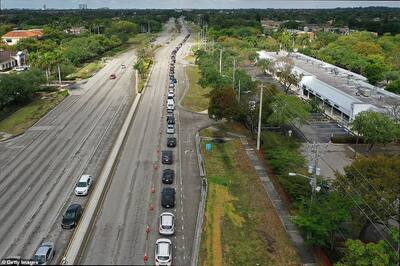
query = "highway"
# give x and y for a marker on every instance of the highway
(132, 203)
(39, 169)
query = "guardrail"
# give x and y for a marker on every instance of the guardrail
(202, 204)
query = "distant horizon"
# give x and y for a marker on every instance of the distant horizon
(190, 4)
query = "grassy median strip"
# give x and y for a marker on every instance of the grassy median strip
(240, 226)
(196, 98)
(26, 116)
(88, 70)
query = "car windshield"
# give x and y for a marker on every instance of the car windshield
(40, 259)
(82, 184)
(163, 257)
(167, 226)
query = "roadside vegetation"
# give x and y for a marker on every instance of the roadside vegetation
(26, 116)
(336, 220)
(241, 225)
(196, 98)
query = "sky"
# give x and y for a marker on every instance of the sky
(217, 4)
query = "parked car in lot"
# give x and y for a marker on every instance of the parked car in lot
(113, 76)
(167, 157)
(168, 197)
(168, 176)
(44, 254)
(167, 224)
(170, 129)
(71, 217)
(163, 252)
(171, 142)
(83, 186)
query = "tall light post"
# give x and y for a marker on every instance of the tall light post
(233, 73)
(259, 118)
(220, 61)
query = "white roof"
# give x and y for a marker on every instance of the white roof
(326, 91)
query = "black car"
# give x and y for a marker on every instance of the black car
(166, 157)
(168, 176)
(171, 142)
(170, 120)
(168, 197)
(71, 216)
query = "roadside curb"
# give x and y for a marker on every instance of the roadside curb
(202, 204)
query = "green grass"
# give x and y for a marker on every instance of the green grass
(26, 116)
(241, 226)
(87, 70)
(196, 98)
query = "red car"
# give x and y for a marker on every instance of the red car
(113, 76)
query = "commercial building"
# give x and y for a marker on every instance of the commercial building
(343, 93)
(13, 37)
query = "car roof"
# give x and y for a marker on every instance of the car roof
(84, 178)
(166, 218)
(168, 189)
(42, 250)
(163, 249)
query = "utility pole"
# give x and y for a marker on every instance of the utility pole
(314, 171)
(233, 73)
(259, 118)
(239, 91)
(220, 61)
(59, 74)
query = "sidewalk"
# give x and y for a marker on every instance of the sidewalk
(304, 252)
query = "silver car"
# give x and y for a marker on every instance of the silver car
(170, 129)
(167, 223)
(44, 253)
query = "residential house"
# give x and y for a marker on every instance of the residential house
(9, 60)
(12, 37)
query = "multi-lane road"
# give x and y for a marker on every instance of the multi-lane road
(132, 203)
(39, 169)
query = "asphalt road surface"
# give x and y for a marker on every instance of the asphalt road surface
(39, 169)
(133, 203)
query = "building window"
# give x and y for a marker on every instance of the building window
(8, 40)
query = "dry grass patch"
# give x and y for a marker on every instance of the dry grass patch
(196, 98)
(241, 226)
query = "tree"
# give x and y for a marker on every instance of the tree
(282, 68)
(375, 128)
(286, 109)
(223, 104)
(323, 217)
(375, 182)
(394, 86)
(374, 254)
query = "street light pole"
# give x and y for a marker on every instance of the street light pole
(239, 91)
(220, 61)
(259, 118)
(233, 73)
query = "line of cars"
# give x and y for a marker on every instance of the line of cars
(45, 253)
(163, 246)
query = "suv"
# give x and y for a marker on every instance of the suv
(167, 224)
(168, 176)
(83, 185)
(44, 254)
(170, 120)
(168, 197)
(170, 129)
(166, 157)
(171, 142)
(71, 216)
(163, 252)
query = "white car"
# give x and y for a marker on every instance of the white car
(83, 186)
(170, 95)
(167, 223)
(163, 252)
(170, 129)
(171, 85)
